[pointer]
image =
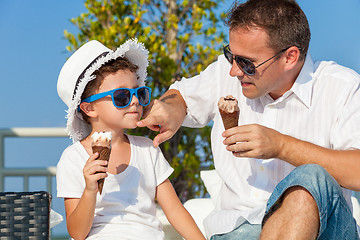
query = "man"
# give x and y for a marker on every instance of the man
(298, 138)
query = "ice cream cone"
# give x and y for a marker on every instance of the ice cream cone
(102, 144)
(230, 120)
(229, 111)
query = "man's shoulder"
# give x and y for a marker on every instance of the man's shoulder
(335, 72)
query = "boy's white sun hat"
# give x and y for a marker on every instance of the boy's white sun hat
(78, 71)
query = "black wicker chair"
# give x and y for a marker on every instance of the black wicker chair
(25, 215)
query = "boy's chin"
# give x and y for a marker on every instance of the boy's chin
(131, 126)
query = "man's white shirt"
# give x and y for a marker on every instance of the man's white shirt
(322, 107)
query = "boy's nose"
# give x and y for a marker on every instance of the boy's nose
(134, 100)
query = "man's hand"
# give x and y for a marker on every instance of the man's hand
(164, 115)
(253, 141)
(256, 141)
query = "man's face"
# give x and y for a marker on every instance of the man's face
(269, 78)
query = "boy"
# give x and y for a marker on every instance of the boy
(105, 91)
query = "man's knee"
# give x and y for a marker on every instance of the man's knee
(295, 200)
(311, 171)
(299, 196)
(316, 180)
(306, 186)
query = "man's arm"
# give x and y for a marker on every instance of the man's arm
(164, 115)
(256, 141)
(343, 165)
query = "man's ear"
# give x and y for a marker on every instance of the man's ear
(88, 109)
(292, 57)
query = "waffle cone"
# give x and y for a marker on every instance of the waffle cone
(229, 119)
(104, 154)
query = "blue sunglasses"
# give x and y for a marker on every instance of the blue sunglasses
(121, 97)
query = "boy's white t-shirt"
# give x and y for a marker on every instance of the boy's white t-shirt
(126, 208)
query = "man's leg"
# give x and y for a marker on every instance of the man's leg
(291, 208)
(244, 231)
(296, 218)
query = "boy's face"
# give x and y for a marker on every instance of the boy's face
(111, 117)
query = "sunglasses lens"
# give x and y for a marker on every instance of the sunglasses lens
(228, 55)
(144, 96)
(246, 65)
(122, 97)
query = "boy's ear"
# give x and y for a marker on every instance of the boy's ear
(88, 109)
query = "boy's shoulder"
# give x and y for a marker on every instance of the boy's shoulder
(73, 147)
(73, 155)
(73, 152)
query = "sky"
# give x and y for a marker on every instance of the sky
(33, 51)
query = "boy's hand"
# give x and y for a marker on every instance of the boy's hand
(93, 171)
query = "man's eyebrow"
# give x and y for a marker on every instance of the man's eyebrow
(248, 58)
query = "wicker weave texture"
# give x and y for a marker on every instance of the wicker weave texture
(24, 215)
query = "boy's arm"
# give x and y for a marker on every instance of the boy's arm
(175, 212)
(80, 212)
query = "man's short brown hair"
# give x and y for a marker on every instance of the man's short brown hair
(283, 20)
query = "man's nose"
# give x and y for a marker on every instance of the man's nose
(235, 70)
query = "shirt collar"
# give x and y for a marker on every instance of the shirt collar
(303, 85)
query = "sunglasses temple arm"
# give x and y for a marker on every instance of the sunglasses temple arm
(267, 60)
(272, 57)
(94, 98)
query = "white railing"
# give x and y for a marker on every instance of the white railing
(47, 172)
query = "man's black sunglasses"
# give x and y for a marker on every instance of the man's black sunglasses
(244, 64)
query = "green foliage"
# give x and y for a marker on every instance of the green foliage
(183, 37)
